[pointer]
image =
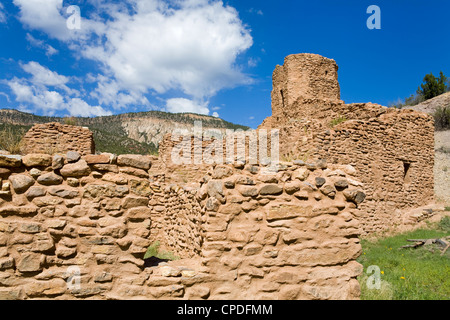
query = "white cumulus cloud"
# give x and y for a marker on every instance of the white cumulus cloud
(177, 105)
(152, 47)
(2, 14)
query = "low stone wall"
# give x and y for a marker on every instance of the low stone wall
(53, 137)
(77, 228)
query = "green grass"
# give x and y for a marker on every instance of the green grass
(153, 251)
(338, 120)
(408, 274)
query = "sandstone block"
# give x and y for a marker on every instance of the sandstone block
(21, 182)
(141, 187)
(136, 161)
(106, 167)
(355, 196)
(20, 211)
(51, 288)
(97, 158)
(50, 178)
(4, 172)
(134, 172)
(328, 190)
(35, 173)
(72, 156)
(341, 184)
(10, 161)
(292, 186)
(221, 172)
(134, 201)
(63, 192)
(30, 262)
(77, 169)
(301, 174)
(270, 189)
(139, 213)
(287, 211)
(6, 263)
(37, 160)
(57, 162)
(320, 181)
(168, 271)
(248, 191)
(35, 192)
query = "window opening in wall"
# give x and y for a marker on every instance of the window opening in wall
(282, 98)
(406, 172)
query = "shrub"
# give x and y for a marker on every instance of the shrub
(337, 121)
(11, 139)
(71, 121)
(442, 118)
(444, 224)
(153, 251)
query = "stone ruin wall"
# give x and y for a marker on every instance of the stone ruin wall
(392, 150)
(54, 138)
(241, 234)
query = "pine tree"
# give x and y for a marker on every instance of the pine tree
(432, 86)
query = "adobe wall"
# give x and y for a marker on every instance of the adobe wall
(54, 138)
(241, 234)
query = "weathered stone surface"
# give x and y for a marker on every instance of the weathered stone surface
(20, 211)
(21, 182)
(63, 192)
(30, 227)
(6, 263)
(10, 161)
(134, 172)
(106, 167)
(320, 181)
(292, 186)
(248, 191)
(168, 271)
(301, 174)
(37, 160)
(270, 189)
(287, 211)
(221, 172)
(73, 182)
(4, 172)
(106, 190)
(35, 173)
(356, 196)
(30, 262)
(136, 161)
(341, 184)
(77, 169)
(51, 288)
(141, 187)
(57, 162)
(328, 190)
(134, 201)
(72, 156)
(139, 213)
(50, 178)
(97, 158)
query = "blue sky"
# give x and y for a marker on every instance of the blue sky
(208, 57)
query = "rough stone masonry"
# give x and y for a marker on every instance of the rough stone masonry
(77, 227)
(391, 150)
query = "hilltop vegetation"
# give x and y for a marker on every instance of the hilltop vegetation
(109, 132)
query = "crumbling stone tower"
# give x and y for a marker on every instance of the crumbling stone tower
(302, 79)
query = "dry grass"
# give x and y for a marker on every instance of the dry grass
(11, 140)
